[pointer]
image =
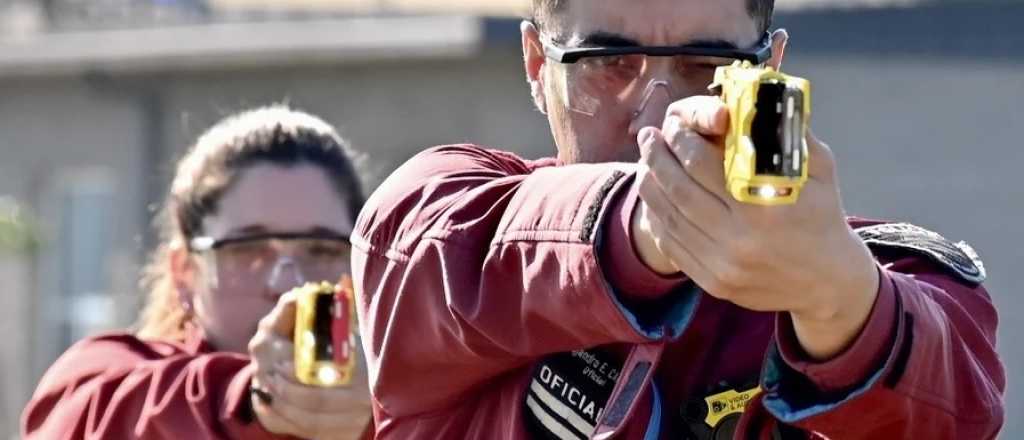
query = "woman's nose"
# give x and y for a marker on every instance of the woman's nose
(284, 276)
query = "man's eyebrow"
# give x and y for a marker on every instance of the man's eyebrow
(713, 44)
(607, 39)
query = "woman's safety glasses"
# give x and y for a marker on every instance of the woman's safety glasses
(279, 261)
(613, 78)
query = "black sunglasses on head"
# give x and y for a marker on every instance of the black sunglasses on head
(757, 54)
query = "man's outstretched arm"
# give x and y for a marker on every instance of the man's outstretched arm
(470, 263)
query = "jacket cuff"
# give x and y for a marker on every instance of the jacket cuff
(631, 278)
(860, 360)
(655, 306)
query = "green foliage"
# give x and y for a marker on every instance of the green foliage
(17, 234)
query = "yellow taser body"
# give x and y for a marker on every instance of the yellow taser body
(324, 339)
(766, 155)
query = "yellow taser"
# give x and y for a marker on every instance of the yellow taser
(325, 348)
(765, 149)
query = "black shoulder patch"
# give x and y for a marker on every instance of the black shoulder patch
(959, 257)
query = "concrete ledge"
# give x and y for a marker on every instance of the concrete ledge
(216, 46)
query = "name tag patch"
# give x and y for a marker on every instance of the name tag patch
(568, 393)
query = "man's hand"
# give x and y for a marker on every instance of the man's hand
(291, 408)
(800, 258)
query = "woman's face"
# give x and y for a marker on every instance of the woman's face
(233, 287)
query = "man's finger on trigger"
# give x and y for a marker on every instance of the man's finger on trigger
(706, 115)
(645, 138)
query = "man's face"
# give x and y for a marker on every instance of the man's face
(609, 134)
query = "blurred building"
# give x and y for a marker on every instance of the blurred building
(920, 100)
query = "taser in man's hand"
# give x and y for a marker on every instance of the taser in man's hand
(765, 147)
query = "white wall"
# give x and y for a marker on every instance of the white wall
(53, 134)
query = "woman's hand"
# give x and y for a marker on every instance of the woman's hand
(285, 406)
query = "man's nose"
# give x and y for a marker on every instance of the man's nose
(650, 110)
(284, 276)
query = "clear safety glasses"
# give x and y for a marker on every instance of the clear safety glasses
(277, 261)
(628, 78)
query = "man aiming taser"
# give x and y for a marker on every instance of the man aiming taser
(683, 269)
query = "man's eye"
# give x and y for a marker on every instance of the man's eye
(689, 64)
(621, 67)
(611, 61)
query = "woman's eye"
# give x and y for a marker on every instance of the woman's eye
(326, 251)
(246, 249)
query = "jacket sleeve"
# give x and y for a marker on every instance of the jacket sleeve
(116, 386)
(469, 263)
(925, 365)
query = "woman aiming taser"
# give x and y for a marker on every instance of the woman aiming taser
(263, 202)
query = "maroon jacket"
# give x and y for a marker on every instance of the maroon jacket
(501, 299)
(116, 386)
